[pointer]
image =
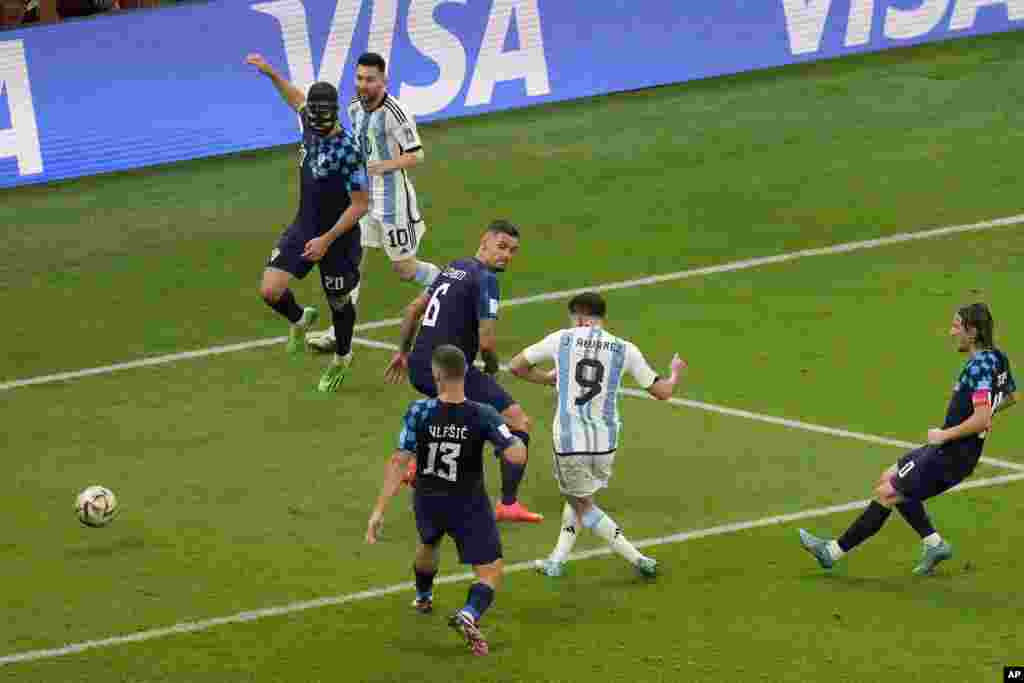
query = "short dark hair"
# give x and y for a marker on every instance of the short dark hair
(372, 59)
(450, 361)
(978, 317)
(503, 227)
(589, 304)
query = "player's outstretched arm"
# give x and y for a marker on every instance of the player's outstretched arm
(489, 346)
(662, 388)
(523, 369)
(395, 372)
(289, 93)
(396, 465)
(980, 421)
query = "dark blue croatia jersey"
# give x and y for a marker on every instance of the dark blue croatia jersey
(465, 293)
(331, 168)
(448, 440)
(986, 378)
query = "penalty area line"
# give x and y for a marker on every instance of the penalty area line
(743, 264)
(292, 608)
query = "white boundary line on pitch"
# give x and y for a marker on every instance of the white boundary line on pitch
(255, 615)
(744, 264)
(759, 417)
(808, 426)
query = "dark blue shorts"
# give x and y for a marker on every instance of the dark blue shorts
(926, 472)
(467, 518)
(339, 268)
(480, 387)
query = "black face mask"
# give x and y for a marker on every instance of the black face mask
(322, 117)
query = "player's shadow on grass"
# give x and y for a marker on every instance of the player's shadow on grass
(919, 588)
(441, 647)
(99, 549)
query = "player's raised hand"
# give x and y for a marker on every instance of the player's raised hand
(255, 59)
(315, 249)
(374, 526)
(395, 372)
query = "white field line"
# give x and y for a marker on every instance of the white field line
(744, 264)
(808, 426)
(759, 417)
(291, 608)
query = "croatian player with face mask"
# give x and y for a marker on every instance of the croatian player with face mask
(333, 197)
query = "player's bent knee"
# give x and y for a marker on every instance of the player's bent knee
(491, 573)
(517, 419)
(581, 506)
(885, 477)
(426, 556)
(887, 496)
(273, 285)
(406, 269)
(271, 293)
(338, 303)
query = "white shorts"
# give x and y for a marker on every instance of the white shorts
(400, 242)
(582, 475)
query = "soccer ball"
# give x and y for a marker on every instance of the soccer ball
(96, 506)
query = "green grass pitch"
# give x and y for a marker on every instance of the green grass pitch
(242, 488)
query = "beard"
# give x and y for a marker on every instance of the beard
(368, 97)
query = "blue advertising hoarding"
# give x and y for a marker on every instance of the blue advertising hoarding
(133, 89)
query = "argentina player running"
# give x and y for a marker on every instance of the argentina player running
(387, 134)
(984, 387)
(445, 436)
(326, 229)
(590, 364)
(461, 308)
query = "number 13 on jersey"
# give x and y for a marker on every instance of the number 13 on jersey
(449, 453)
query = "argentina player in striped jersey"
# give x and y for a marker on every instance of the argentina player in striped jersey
(984, 387)
(590, 364)
(389, 138)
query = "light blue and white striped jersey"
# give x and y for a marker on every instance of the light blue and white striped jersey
(384, 134)
(589, 364)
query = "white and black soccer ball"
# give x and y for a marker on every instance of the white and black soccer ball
(96, 506)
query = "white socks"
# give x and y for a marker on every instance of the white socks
(345, 360)
(567, 536)
(607, 529)
(834, 550)
(602, 525)
(932, 540)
